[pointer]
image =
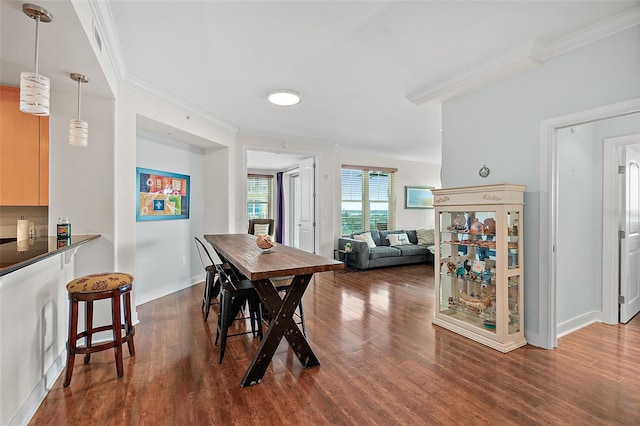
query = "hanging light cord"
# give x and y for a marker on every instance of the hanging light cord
(37, 18)
(79, 89)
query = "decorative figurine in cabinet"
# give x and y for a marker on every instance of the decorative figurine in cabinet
(479, 281)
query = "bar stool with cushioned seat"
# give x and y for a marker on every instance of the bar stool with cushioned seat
(107, 285)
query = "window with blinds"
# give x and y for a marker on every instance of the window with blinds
(368, 199)
(259, 196)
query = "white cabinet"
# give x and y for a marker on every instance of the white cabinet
(479, 276)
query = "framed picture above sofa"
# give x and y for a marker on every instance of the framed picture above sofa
(418, 197)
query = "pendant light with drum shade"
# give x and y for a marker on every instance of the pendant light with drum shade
(34, 87)
(78, 129)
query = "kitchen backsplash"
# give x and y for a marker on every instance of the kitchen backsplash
(9, 220)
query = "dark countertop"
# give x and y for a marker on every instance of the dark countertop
(12, 259)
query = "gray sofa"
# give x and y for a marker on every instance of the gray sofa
(385, 255)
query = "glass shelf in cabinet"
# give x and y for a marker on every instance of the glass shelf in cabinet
(465, 317)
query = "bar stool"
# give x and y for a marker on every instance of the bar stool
(106, 285)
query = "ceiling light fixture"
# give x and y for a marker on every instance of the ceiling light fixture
(284, 97)
(34, 87)
(78, 129)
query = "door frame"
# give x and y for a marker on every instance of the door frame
(241, 190)
(548, 210)
(611, 225)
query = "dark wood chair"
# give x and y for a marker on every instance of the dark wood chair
(211, 285)
(235, 293)
(254, 222)
(381, 226)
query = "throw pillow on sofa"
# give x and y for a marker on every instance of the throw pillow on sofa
(425, 237)
(398, 240)
(366, 237)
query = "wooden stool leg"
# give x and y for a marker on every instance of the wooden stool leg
(89, 327)
(71, 343)
(117, 331)
(129, 329)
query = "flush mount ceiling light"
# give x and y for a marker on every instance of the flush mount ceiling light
(284, 97)
(78, 129)
(34, 87)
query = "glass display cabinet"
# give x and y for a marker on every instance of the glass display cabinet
(479, 277)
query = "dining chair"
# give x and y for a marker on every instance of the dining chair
(235, 293)
(211, 284)
(258, 225)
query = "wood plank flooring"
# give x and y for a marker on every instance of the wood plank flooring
(383, 363)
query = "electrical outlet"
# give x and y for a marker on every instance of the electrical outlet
(183, 261)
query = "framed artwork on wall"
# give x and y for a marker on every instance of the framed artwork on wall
(161, 195)
(418, 197)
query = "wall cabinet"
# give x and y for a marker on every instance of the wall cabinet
(479, 276)
(24, 153)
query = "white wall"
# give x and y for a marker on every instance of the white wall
(81, 184)
(579, 239)
(134, 108)
(161, 245)
(499, 126)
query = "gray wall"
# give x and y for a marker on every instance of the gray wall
(499, 126)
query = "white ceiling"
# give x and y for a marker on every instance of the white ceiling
(371, 73)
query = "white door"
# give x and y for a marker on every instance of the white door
(307, 225)
(630, 240)
(295, 211)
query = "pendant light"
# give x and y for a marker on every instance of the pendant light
(78, 129)
(34, 87)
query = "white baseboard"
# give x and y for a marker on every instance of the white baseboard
(165, 291)
(40, 391)
(533, 339)
(581, 321)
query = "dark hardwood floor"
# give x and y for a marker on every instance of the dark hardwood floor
(383, 363)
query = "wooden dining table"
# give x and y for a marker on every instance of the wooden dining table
(241, 251)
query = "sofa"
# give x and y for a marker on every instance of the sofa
(376, 248)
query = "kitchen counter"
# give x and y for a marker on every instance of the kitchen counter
(18, 254)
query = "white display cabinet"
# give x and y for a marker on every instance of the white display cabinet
(479, 275)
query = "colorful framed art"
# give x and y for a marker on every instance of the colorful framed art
(161, 195)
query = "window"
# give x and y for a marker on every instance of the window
(259, 196)
(368, 198)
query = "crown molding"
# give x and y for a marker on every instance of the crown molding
(287, 139)
(600, 30)
(304, 144)
(521, 58)
(348, 150)
(153, 92)
(515, 60)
